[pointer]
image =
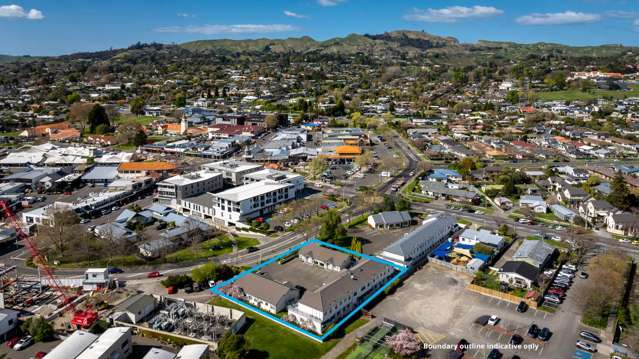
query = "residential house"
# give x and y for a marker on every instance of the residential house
(441, 190)
(623, 224)
(596, 211)
(562, 213)
(535, 252)
(472, 237)
(519, 274)
(536, 203)
(389, 220)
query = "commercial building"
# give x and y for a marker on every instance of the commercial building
(276, 176)
(72, 346)
(154, 169)
(320, 308)
(233, 171)
(250, 201)
(8, 322)
(265, 293)
(416, 245)
(114, 343)
(173, 189)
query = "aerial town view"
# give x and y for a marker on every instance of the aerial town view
(319, 179)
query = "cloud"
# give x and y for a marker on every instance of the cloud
(558, 18)
(16, 11)
(185, 14)
(452, 13)
(295, 15)
(329, 2)
(621, 14)
(227, 29)
(636, 24)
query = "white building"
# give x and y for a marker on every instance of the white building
(416, 245)
(96, 278)
(188, 185)
(318, 309)
(193, 351)
(114, 343)
(73, 346)
(233, 171)
(250, 201)
(472, 237)
(8, 321)
(277, 176)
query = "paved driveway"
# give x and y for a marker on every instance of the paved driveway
(435, 302)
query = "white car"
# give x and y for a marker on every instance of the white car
(556, 238)
(23, 343)
(586, 346)
(623, 240)
(493, 320)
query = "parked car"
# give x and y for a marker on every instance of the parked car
(516, 339)
(154, 274)
(252, 249)
(12, 341)
(522, 307)
(586, 346)
(569, 266)
(533, 331)
(461, 345)
(115, 270)
(556, 291)
(85, 221)
(24, 343)
(493, 320)
(552, 298)
(590, 336)
(544, 334)
(494, 354)
(40, 355)
(583, 275)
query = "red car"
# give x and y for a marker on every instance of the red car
(154, 274)
(40, 355)
(12, 342)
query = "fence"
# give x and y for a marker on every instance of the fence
(501, 295)
(453, 267)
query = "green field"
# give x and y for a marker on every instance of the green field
(140, 120)
(373, 346)
(578, 95)
(211, 248)
(277, 342)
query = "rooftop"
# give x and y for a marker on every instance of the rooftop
(250, 190)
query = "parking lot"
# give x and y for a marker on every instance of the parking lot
(434, 302)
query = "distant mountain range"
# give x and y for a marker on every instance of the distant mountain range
(391, 43)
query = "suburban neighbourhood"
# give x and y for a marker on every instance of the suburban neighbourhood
(389, 195)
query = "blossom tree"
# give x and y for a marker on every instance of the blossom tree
(404, 343)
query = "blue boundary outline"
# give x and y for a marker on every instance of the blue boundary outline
(217, 288)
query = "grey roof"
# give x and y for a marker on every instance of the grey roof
(326, 255)
(391, 218)
(441, 188)
(101, 173)
(333, 292)
(563, 211)
(136, 304)
(535, 250)
(524, 269)
(483, 236)
(73, 345)
(204, 199)
(260, 287)
(433, 227)
(157, 353)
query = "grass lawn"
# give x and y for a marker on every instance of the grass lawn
(10, 133)
(210, 248)
(140, 120)
(157, 138)
(464, 221)
(125, 148)
(279, 342)
(578, 95)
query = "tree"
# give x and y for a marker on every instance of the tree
(271, 121)
(513, 97)
(73, 98)
(211, 271)
(97, 117)
(620, 196)
(61, 234)
(466, 166)
(356, 245)
(556, 81)
(136, 106)
(317, 166)
(130, 133)
(331, 229)
(79, 113)
(232, 346)
(405, 343)
(364, 160)
(39, 328)
(179, 100)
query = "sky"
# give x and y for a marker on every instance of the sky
(56, 27)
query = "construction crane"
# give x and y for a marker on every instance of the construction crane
(81, 318)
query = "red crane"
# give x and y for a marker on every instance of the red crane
(38, 258)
